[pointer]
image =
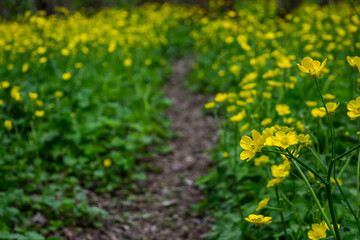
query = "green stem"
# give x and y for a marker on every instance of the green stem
(348, 204)
(346, 153)
(314, 197)
(281, 212)
(357, 186)
(305, 166)
(328, 118)
(317, 157)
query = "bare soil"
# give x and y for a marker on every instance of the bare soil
(164, 210)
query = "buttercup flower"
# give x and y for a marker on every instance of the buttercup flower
(354, 108)
(66, 76)
(318, 231)
(259, 220)
(318, 112)
(8, 125)
(107, 162)
(308, 65)
(251, 146)
(263, 204)
(282, 139)
(282, 109)
(331, 107)
(209, 105)
(39, 113)
(354, 62)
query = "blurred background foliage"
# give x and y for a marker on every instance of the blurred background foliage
(10, 9)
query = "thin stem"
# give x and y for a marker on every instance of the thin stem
(348, 204)
(314, 197)
(317, 157)
(346, 153)
(357, 186)
(305, 166)
(258, 233)
(281, 212)
(328, 118)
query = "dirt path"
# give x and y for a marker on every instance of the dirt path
(164, 211)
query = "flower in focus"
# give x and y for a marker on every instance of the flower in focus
(354, 108)
(8, 125)
(107, 162)
(308, 65)
(263, 204)
(251, 146)
(258, 219)
(39, 113)
(318, 231)
(354, 62)
(66, 76)
(282, 139)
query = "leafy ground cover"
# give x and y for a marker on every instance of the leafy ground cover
(81, 99)
(283, 161)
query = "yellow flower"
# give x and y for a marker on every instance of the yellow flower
(282, 109)
(127, 62)
(65, 52)
(41, 50)
(261, 160)
(15, 93)
(311, 103)
(282, 139)
(225, 154)
(234, 69)
(354, 62)
(318, 231)
(318, 112)
(281, 170)
(59, 94)
(238, 117)
(221, 73)
(43, 60)
(1, 102)
(8, 125)
(78, 65)
(33, 95)
(258, 219)
(332, 180)
(266, 121)
(39, 103)
(244, 127)
(66, 76)
(304, 139)
(308, 65)
(231, 108)
(263, 204)
(331, 107)
(326, 226)
(284, 63)
(209, 105)
(251, 146)
(273, 182)
(107, 162)
(5, 84)
(329, 96)
(354, 108)
(25, 67)
(220, 97)
(148, 62)
(39, 113)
